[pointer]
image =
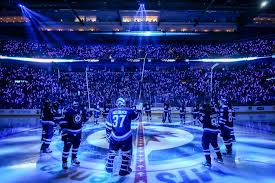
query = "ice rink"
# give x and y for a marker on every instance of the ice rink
(169, 153)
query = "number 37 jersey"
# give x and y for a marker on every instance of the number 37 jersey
(119, 122)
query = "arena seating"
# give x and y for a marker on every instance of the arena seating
(179, 50)
(24, 86)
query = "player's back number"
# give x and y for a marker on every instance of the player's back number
(118, 120)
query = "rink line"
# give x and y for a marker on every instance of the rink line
(141, 175)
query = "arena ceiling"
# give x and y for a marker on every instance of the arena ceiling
(133, 4)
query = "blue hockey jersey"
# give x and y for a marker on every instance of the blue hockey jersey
(209, 119)
(226, 117)
(182, 109)
(47, 116)
(118, 124)
(73, 120)
(97, 111)
(166, 108)
(147, 107)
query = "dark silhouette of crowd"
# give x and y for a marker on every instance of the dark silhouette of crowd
(245, 83)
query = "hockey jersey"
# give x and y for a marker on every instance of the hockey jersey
(97, 111)
(166, 108)
(209, 119)
(226, 117)
(139, 106)
(58, 114)
(118, 124)
(47, 116)
(182, 109)
(231, 116)
(147, 107)
(106, 108)
(73, 120)
(195, 111)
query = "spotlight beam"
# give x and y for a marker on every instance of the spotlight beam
(41, 21)
(29, 27)
(36, 24)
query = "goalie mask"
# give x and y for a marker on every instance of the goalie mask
(120, 102)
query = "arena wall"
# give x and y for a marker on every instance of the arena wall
(155, 110)
(255, 117)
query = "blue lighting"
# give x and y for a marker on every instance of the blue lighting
(21, 6)
(51, 60)
(150, 33)
(43, 60)
(228, 59)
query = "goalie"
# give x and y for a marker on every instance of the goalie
(119, 136)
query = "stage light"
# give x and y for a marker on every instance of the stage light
(21, 6)
(263, 4)
(43, 60)
(229, 59)
(147, 33)
(51, 60)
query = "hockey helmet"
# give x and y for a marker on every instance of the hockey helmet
(120, 102)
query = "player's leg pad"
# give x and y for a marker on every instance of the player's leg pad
(110, 161)
(126, 163)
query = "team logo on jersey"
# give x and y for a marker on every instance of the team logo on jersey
(77, 118)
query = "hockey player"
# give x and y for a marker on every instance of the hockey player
(195, 114)
(209, 119)
(232, 119)
(71, 132)
(106, 110)
(226, 126)
(97, 112)
(58, 112)
(139, 107)
(61, 111)
(182, 114)
(166, 113)
(119, 136)
(148, 111)
(47, 126)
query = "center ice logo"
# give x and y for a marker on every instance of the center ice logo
(160, 142)
(156, 138)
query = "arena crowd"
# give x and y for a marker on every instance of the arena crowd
(24, 86)
(179, 50)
